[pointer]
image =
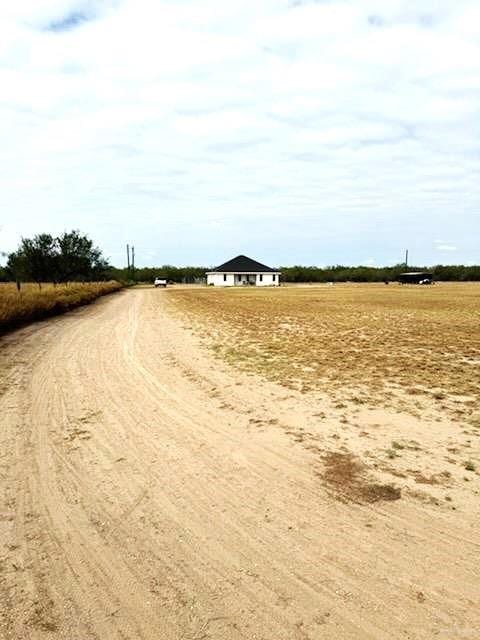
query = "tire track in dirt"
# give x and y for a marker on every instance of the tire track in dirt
(154, 493)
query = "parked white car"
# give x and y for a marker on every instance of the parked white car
(160, 282)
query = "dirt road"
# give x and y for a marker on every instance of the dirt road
(149, 492)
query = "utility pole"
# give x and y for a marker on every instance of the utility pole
(133, 262)
(128, 257)
(406, 258)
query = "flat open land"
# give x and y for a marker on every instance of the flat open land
(382, 345)
(196, 464)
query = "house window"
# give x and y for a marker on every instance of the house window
(261, 278)
(274, 277)
(224, 277)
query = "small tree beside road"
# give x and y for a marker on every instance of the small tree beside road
(70, 257)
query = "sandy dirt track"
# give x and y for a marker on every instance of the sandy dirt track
(149, 492)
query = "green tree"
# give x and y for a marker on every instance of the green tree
(35, 259)
(43, 258)
(79, 259)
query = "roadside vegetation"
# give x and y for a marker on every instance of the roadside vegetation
(50, 275)
(34, 303)
(70, 257)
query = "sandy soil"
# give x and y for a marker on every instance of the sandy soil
(149, 491)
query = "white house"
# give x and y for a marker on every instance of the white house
(243, 271)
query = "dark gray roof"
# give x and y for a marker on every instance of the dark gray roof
(243, 264)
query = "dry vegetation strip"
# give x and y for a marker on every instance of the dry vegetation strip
(33, 303)
(364, 343)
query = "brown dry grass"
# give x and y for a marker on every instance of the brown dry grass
(364, 344)
(346, 476)
(33, 303)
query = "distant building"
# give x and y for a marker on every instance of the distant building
(243, 271)
(416, 277)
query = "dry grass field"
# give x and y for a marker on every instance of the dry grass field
(407, 347)
(33, 303)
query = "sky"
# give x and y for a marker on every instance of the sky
(296, 132)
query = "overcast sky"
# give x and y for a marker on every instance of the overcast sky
(312, 132)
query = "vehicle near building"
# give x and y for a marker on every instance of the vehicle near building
(415, 277)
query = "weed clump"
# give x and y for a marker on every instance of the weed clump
(346, 476)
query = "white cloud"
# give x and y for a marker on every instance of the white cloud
(350, 127)
(445, 247)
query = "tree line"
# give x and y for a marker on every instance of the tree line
(186, 275)
(70, 257)
(338, 273)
